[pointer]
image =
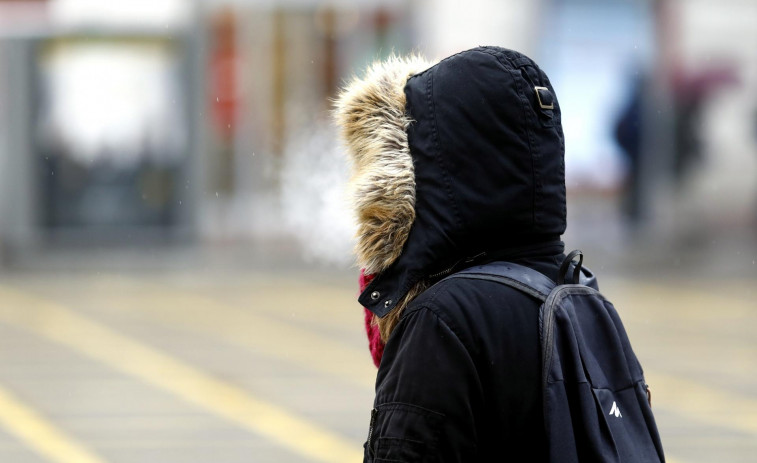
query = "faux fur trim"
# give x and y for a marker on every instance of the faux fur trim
(370, 113)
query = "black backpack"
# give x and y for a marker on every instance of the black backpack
(596, 402)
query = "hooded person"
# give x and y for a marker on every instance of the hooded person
(455, 164)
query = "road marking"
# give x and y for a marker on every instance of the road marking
(666, 388)
(271, 332)
(39, 434)
(200, 313)
(122, 353)
(273, 338)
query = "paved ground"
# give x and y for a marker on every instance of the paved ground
(269, 365)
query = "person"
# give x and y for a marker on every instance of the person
(454, 164)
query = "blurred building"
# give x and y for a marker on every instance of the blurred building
(100, 109)
(207, 120)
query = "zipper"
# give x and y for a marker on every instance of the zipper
(443, 273)
(446, 272)
(370, 431)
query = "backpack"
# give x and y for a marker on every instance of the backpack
(595, 400)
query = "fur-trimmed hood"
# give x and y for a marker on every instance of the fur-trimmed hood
(450, 161)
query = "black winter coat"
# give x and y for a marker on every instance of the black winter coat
(460, 380)
(456, 164)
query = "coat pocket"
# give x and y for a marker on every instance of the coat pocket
(402, 433)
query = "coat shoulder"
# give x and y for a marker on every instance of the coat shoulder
(473, 307)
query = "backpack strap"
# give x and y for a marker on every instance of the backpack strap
(516, 276)
(526, 279)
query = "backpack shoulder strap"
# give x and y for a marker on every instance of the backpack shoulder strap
(516, 276)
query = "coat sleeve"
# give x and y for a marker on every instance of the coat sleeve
(427, 395)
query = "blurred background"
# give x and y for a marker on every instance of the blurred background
(176, 281)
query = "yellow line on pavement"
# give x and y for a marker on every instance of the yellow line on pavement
(678, 394)
(41, 435)
(246, 329)
(122, 353)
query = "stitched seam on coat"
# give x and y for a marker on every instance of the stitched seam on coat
(411, 408)
(529, 136)
(501, 57)
(447, 323)
(437, 146)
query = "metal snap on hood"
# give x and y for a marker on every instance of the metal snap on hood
(450, 161)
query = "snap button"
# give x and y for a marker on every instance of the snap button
(375, 295)
(387, 303)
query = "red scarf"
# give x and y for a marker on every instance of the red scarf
(375, 344)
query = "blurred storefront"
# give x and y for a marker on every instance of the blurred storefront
(100, 128)
(207, 121)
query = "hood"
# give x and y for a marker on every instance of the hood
(450, 161)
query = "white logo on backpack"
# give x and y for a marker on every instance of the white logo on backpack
(615, 410)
